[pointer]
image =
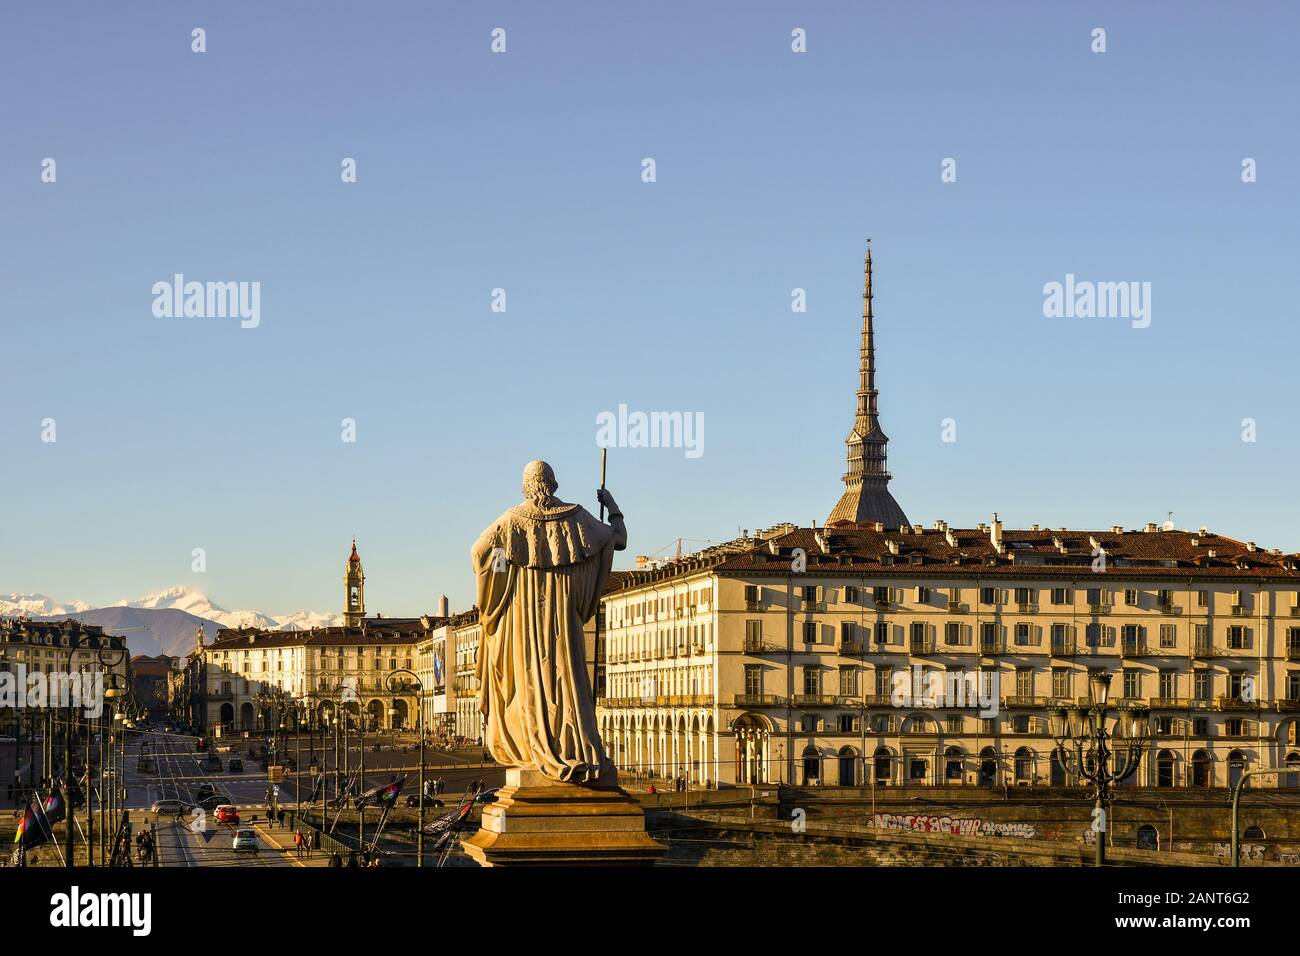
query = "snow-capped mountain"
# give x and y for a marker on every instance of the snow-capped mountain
(37, 605)
(164, 622)
(195, 602)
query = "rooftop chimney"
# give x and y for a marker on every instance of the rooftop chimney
(995, 532)
(444, 607)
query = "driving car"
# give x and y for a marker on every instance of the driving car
(244, 840)
(236, 765)
(168, 807)
(226, 813)
(413, 800)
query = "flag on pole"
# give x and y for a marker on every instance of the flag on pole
(384, 795)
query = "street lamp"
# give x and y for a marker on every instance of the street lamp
(1083, 747)
(405, 682)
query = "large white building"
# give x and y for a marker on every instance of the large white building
(781, 656)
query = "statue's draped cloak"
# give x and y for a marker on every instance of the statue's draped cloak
(539, 574)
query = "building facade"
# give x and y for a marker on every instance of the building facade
(46, 647)
(872, 652)
(249, 676)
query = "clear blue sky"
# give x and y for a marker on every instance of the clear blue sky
(522, 171)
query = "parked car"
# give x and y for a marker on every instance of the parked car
(487, 796)
(236, 765)
(413, 800)
(226, 813)
(169, 808)
(244, 840)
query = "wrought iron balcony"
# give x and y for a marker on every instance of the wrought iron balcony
(921, 645)
(1098, 608)
(1064, 648)
(850, 646)
(1228, 702)
(1171, 703)
(997, 645)
(758, 700)
(1023, 701)
(1026, 607)
(814, 700)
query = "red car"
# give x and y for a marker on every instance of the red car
(227, 813)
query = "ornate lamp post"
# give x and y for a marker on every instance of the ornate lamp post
(1084, 747)
(406, 682)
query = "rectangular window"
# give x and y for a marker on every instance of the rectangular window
(1132, 683)
(952, 724)
(922, 595)
(848, 682)
(1131, 597)
(1061, 682)
(1202, 598)
(1092, 635)
(1062, 596)
(753, 679)
(1201, 685)
(988, 595)
(1168, 684)
(880, 595)
(1024, 635)
(952, 633)
(1025, 595)
(751, 593)
(1168, 635)
(1024, 682)
(810, 632)
(850, 594)
(884, 681)
(1200, 727)
(882, 632)
(812, 679)
(1237, 637)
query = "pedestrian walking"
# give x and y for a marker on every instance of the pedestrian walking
(335, 859)
(297, 842)
(352, 860)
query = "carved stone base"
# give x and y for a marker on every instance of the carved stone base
(537, 821)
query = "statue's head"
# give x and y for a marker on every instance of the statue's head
(539, 483)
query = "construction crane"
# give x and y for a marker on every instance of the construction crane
(655, 559)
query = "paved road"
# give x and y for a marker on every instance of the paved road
(200, 840)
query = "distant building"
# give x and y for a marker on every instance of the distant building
(151, 679)
(28, 646)
(248, 676)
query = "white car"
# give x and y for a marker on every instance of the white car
(245, 839)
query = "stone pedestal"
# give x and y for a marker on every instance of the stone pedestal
(536, 821)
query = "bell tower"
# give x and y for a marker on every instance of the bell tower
(354, 594)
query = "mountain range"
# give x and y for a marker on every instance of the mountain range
(161, 623)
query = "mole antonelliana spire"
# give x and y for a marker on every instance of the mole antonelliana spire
(866, 497)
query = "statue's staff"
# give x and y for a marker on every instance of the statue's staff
(595, 661)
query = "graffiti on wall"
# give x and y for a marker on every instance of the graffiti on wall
(955, 826)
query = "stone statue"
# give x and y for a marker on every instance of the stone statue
(540, 570)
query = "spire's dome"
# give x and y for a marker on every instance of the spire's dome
(354, 558)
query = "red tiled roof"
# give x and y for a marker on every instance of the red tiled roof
(864, 551)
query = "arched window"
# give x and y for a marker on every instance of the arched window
(1165, 769)
(1252, 833)
(1236, 767)
(1201, 776)
(812, 767)
(952, 766)
(884, 762)
(988, 767)
(848, 767)
(1292, 779)
(1148, 838)
(1024, 765)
